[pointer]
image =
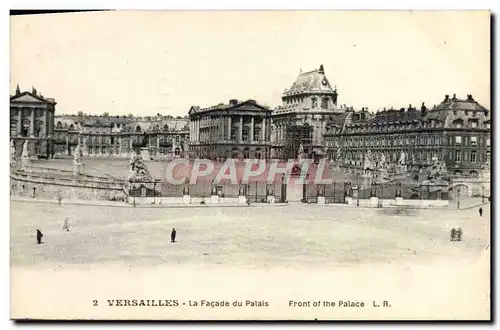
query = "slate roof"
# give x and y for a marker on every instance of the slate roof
(310, 82)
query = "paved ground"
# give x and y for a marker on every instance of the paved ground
(253, 237)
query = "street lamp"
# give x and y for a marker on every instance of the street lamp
(458, 199)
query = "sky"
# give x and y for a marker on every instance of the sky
(149, 62)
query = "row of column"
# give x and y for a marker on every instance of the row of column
(46, 118)
(196, 133)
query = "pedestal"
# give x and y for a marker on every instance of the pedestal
(399, 200)
(321, 200)
(374, 201)
(242, 199)
(270, 199)
(77, 169)
(214, 199)
(186, 199)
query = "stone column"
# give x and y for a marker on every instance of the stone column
(19, 121)
(252, 126)
(44, 124)
(229, 123)
(32, 123)
(84, 140)
(157, 145)
(67, 144)
(263, 129)
(130, 143)
(241, 129)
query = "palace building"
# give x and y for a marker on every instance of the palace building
(238, 130)
(456, 132)
(116, 136)
(32, 120)
(300, 121)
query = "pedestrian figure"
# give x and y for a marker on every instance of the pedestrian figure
(39, 236)
(459, 234)
(172, 236)
(66, 224)
(453, 234)
(480, 211)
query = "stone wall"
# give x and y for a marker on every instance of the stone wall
(56, 186)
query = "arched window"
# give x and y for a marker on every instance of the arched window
(138, 128)
(71, 126)
(324, 103)
(59, 125)
(165, 128)
(314, 104)
(234, 153)
(246, 153)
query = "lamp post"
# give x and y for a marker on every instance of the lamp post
(458, 199)
(482, 194)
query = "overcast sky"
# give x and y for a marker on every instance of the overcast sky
(163, 62)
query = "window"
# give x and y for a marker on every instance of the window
(473, 155)
(458, 124)
(474, 114)
(473, 140)
(324, 103)
(487, 142)
(473, 124)
(487, 125)
(458, 140)
(314, 103)
(466, 112)
(457, 155)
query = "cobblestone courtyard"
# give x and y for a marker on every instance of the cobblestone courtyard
(297, 235)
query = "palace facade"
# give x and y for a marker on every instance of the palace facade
(115, 136)
(239, 130)
(32, 120)
(300, 121)
(456, 132)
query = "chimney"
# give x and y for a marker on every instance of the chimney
(18, 91)
(470, 98)
(454, 97)
(233, 101)
(446, 98)
(321, 69)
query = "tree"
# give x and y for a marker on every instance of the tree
(106, 114)
(130, 115)
(80, 113)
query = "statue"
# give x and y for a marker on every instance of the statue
(402, 158)
(13, 158)
(25, 159)
(300, 153)
(368, 162)
(77, 156)
(382, 161)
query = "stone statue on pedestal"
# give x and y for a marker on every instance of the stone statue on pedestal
(25, 159)
(402, 158)
(13, 157)
(382, 161)
(77, 160)
(300, 153)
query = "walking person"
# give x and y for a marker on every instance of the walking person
(172, 236)
(480, 211)
(39, 236)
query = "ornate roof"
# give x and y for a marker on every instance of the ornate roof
(310, 82)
